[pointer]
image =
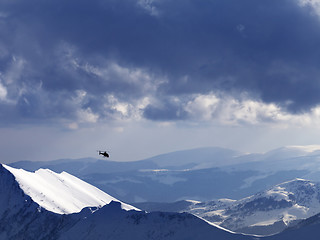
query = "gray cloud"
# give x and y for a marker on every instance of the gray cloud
(127, 50)
(167, 110)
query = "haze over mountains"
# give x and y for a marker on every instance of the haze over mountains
(187, 174)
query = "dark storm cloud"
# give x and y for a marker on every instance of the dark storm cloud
(269, 49)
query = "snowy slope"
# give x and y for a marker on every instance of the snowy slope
(61, 193)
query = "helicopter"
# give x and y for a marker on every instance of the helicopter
(103, 153)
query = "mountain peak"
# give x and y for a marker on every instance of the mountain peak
(60, 193)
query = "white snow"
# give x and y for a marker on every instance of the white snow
(61, 193)
(192, 201)
(278, 193)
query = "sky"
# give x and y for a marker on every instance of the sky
(144, 77)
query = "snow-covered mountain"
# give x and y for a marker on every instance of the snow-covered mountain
(264, 213)
(61, 193)
(25, 215)
(270, 211)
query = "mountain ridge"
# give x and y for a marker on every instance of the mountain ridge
(60, 193)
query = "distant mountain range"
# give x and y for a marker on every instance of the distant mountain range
(200, 174)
